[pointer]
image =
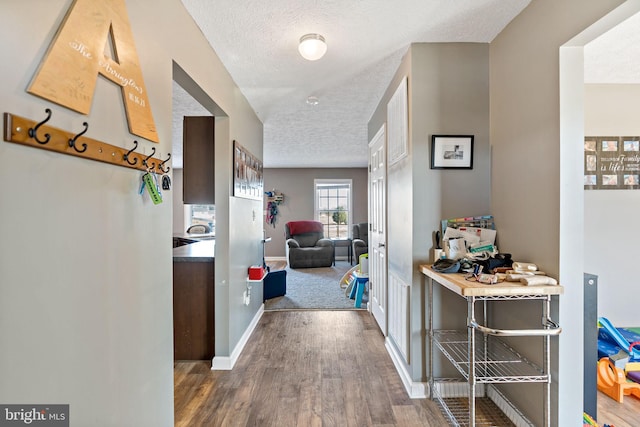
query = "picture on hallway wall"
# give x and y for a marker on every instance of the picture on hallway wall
(611, 162)
(452, 152)
(247, 174)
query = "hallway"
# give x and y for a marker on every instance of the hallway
(303, 368)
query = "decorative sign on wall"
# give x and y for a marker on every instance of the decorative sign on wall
(611, 162)
(247, 174)
(274, 199)
(95, 38)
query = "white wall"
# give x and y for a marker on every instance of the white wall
(610, 235)
(85, 262)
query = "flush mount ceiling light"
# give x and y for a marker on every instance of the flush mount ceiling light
(312, 46)
(313, 100)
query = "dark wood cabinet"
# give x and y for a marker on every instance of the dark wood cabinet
(198, 160)
(193, 310)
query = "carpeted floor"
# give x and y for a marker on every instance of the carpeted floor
(315, 289)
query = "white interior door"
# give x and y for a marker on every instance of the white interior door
(377, 230)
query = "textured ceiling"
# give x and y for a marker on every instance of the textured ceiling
(257, 43)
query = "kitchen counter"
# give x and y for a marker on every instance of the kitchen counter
(202, 251)
(195, 236)
(194, 301)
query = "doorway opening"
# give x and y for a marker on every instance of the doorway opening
(582, 225)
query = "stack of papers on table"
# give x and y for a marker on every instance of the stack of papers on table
(474, 236)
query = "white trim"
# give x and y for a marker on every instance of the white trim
(398, 312)
(186, 219)
(398, 124)
(220, 363)
(416, 390)
(275, 258)
(453, 389)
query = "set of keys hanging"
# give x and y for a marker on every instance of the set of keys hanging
(150, 182)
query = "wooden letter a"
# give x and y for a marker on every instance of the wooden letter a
(81, 50)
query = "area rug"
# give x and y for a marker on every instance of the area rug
(315, 289)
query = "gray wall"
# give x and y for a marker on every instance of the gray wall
(448, 94)
(536, 182)
(610, 234)
(178, 206)
(85, 262)
(297, 187)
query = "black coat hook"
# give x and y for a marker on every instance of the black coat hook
(168, 167)
(72, 141)
(144, 162)
(126, 156)
(33, 131)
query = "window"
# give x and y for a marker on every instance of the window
(333, 206)
(200, 214)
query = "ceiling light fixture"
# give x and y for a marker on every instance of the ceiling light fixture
(312, 46)
(313, 100)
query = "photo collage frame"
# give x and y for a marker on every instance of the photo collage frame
(611, 162)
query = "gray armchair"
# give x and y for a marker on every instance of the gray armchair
(306, 246)
(360, 240)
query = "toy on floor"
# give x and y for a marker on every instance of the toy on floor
(632, 369)
(619, 339)
(612, 382)
(587, 421)
(346, 279)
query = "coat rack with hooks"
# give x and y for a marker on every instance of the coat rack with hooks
(24, 131)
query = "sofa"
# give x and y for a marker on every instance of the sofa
(306, 246)
(360, 240)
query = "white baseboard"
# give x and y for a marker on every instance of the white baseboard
(452, 389)
(226, 363)
(416, 390)
(509, 410)
(275, 258)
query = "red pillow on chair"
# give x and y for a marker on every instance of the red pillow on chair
(300, 227)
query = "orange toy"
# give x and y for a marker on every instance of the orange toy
(613, 383)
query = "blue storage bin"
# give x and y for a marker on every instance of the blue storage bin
(274, 284)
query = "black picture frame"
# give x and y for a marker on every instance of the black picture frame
(452, 151)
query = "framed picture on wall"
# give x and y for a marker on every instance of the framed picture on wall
(247, 174)
(612, 162)
(452, 152)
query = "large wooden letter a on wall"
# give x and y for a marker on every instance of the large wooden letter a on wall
(95, 38)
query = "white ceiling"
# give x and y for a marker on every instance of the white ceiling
(257, 42)
(614, 57)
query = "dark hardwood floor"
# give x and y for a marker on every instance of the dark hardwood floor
(303, 368)
(306, 368)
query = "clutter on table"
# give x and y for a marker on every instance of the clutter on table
(468, 245)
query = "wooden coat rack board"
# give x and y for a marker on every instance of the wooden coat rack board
(39, 135)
